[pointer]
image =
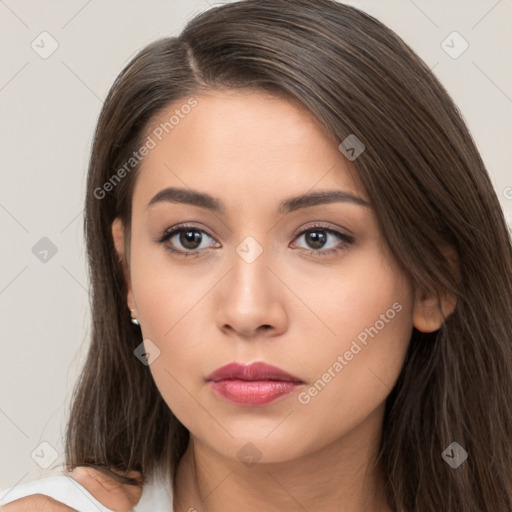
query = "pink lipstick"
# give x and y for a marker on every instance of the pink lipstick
(253, 384)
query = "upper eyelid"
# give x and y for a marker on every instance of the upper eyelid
(329, 229)
(182, 227)
(172, 232)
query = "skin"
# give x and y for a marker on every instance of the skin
(251, 151)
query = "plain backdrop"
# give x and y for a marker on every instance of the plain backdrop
(48, 110)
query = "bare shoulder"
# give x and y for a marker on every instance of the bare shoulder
(109, 492)
(36, 503)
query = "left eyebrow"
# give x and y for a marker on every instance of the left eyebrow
(204, 200)
(322, 197)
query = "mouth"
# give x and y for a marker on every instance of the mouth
(253, 385)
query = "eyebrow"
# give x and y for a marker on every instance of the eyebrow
(204, 200)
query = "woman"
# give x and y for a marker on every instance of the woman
(289, 207)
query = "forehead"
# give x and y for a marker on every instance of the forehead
(242, 145)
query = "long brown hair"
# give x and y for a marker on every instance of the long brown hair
(429, 188)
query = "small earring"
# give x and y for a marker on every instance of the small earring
(134, 320)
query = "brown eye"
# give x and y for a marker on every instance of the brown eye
(324, 241)
(316, 239)
(186, 240)
(190, 239)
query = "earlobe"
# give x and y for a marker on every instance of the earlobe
(118, 238)
(430, 312)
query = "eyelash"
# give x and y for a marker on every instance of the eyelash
(346, 240)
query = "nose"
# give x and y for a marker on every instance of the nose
(251, 300)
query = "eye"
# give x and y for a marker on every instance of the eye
(186, 240)
(323, 241)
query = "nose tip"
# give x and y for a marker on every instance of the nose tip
(250, 302)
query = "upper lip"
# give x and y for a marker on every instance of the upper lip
(252, 371)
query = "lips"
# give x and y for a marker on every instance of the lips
(258, 371)
(252, 385)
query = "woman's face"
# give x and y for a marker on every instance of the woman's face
(245, 284)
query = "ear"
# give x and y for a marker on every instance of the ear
(118, 237)
(430, 311)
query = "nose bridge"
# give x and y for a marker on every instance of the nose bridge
(249, 279)
(249, 298)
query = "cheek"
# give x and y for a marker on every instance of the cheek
(171, 308)
(364, 298)
(360, 310)
(164, 293)
(352, 372)
(352, 381)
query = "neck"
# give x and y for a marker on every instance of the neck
(343, 475)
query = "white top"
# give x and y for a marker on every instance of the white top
(156, 494)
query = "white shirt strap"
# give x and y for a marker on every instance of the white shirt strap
(61, 488)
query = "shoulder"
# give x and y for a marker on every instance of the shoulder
(84, 487)
(41, 494)
(36, 502)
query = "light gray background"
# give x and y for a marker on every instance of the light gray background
(49, 108)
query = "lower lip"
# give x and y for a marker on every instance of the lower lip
(253, 393)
